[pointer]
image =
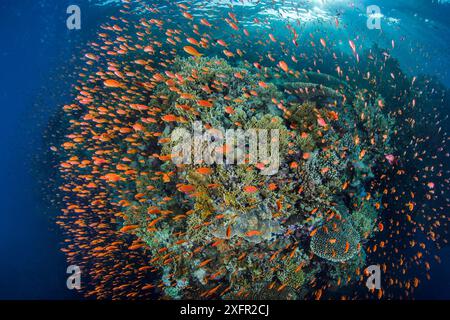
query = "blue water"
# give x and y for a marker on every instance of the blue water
(35, 42)
(36, 47)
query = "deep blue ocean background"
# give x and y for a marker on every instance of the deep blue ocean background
(37, 50)
(36, 47)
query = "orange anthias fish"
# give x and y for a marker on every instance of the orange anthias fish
(169, 118)
(111, 83)
(193, 41)
(250, 189)
(192, 51)
(204, 170)
(187, 15)
(205, 103)
(205, 22)
(283, 65)
(321, 122)
(253, 233)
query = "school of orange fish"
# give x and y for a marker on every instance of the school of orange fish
(141, 227)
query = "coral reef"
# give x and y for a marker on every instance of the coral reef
(322, 160)
(218, 229)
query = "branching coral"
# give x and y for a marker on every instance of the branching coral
(291, 271)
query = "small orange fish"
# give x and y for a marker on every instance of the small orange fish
(321, 122)
(204, 170)
(361, 154)
(187, 15)
(192, 51)
(186, 188)
(222, 43)
(204, 263)
(250, 189)
(262, 84)
(253, 233)
(91, 56)
(229, 231)
(129, 227)
(193, 41)
(152, 223)
(347, 247)
(169, 118)
(205, 103)
(112, 177)
(345, 185)
(111, 83)
(229, 110)
(283, 65)
(205, 22)
(352, 45)
(135, 246)
(228, 53)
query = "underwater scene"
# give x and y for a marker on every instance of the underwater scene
(225, 150)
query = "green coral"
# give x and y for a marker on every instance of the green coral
(291, 272)
(364, 218)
